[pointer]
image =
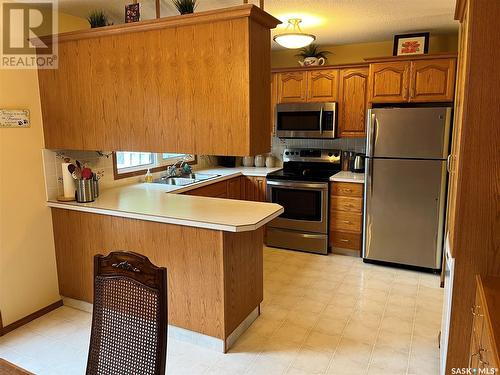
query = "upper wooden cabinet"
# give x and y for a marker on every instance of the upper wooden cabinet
(421, 80)
(432, 80)
(353, 102)
(389, 82)
(292, 87)
(322, 85)
(196, 83)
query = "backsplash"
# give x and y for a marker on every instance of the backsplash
(357, 145)
(97, 162)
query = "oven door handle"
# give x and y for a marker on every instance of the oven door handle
(321, 121)
(299, 185)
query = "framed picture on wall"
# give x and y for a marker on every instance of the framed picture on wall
(132, 13)
(411, 44)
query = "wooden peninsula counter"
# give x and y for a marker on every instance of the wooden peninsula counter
(212, 249)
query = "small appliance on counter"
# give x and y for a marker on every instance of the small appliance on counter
(358, 163)
(301, 187)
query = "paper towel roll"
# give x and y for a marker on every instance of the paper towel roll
(68, 181)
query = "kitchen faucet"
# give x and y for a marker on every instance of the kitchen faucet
(172, 170)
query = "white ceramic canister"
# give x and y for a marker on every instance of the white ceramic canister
(260, 161)
(270, 161)
(248, 161)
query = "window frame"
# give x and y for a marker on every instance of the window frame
(139, 172)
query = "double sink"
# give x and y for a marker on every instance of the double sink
(184, 180)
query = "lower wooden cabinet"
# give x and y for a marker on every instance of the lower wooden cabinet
(346, 218)
(241, 187)
(485, 337)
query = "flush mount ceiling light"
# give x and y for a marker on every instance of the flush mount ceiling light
(293, 37)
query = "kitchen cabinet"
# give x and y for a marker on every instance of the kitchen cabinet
(215, 190)
(322, 85)
(346, 207)
(353, 102)
(292, 87)
(234, 188)
(389, 82)
(420, 80)
(253, 188)
(432, 80)
(484, 341)
(274, 100)
(160, 85)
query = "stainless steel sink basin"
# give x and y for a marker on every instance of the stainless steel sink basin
(185, 179)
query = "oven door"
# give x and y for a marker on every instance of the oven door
(305, 120)
(305, 204)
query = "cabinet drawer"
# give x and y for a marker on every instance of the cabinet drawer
(347, 189)
(345, 240)
(345, 221)
(350, 204)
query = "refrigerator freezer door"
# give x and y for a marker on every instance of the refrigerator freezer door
(404, 210)
(417, 133)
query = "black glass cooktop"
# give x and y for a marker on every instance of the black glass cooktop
(297, 171)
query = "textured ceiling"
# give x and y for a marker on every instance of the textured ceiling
(332, 21)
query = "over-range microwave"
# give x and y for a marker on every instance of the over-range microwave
(305, 120)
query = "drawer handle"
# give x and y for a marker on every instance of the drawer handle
(348, 190)
(346, 221)
(343, 240)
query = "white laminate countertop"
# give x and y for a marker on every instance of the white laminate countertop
(346, 176)
(152, 203)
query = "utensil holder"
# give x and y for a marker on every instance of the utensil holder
(84, 191)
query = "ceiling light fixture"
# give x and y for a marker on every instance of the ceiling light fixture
(294, 38)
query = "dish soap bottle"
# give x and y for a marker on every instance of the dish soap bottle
(149, 176)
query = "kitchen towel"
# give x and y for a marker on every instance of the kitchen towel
(68, 181)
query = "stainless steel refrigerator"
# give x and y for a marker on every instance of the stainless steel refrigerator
(405, 185)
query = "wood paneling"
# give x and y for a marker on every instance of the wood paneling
(476, 235)
(200, 262)
(432, 80)
(389, 82)
(243, 275)
(322, 85)
(160, 87)
(292, 87)
(353, 102)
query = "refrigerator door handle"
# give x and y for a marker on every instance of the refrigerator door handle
(370, 136)
(448, 163)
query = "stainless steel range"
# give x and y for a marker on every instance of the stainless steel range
(301, 187)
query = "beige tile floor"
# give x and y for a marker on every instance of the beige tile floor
(321, 315)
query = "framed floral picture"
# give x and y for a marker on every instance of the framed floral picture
(411, 44)
(132, 13)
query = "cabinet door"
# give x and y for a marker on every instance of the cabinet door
(260, 186)
(432, 80)
(274, 100)
(353, 102)
(389, 82)
(292, 87)
(322, 85)
(234, 188)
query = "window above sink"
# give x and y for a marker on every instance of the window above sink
(128, 164)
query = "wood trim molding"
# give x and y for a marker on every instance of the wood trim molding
(319, 67)
(411, 57)
(140, 172)
(28, 318)
(460, 9)
(241, 11)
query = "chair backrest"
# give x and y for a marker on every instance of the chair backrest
(129, 319)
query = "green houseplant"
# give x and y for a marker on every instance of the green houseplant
(312, 55)
(97, 18)
(185, 6)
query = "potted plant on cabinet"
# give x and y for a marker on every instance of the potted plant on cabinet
(185, 6)
(97, 18)
(312, 55)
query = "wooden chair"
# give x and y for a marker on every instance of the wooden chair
(129, 320)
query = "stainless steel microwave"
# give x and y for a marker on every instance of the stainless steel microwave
(305, 120)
